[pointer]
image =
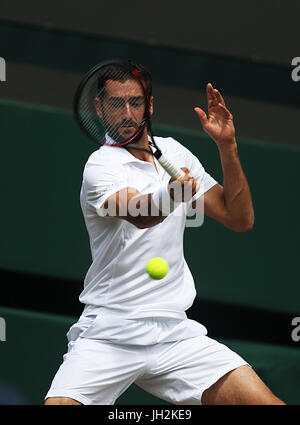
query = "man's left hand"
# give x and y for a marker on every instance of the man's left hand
(219, 123)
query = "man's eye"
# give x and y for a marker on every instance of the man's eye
(135, 103)
(116, 104)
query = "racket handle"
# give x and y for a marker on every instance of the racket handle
(170, 168)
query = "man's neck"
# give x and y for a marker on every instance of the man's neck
(143, 142)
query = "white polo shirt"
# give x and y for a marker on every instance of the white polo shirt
(116, 285)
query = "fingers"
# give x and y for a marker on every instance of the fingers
(183, 188)
(219, 97)
(211, 97)
(187, 175)
(214, 96)
(214, 99)
(184, 178)
(186, 170)
(202, 116)
(225, 112)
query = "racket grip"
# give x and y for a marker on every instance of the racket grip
(170, 168)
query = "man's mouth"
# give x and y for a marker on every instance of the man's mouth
(129, 125)
(128, 128)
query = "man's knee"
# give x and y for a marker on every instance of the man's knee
(61, 400)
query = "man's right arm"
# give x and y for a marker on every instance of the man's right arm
(148, 210)
(130, 205)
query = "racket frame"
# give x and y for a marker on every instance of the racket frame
(166, 164)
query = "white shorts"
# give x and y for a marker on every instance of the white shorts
(97, 371)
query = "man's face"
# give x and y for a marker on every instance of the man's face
(122, 108)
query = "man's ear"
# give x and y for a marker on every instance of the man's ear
(97, 107)
(151, 106)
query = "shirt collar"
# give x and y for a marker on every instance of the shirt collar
(119, 153)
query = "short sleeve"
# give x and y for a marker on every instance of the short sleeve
(205, 180)
(196, 169)
(99, 183)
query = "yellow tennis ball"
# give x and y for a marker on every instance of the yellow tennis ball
(157, 268)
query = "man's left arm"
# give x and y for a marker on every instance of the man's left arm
(230, 204)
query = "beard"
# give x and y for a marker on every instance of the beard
(124, 130)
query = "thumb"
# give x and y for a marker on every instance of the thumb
(201, 115)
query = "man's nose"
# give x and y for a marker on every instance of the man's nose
(127, 111)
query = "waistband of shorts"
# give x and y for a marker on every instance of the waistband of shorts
(141, 313)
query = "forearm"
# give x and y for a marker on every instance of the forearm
(153, 208)
(150, 209)
(236, 192)
(143, 213)
(130, 205)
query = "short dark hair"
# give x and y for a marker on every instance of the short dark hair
(122, 71)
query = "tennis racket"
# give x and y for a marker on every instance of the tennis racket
(112, 105)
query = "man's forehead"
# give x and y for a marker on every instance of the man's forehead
(121, 89)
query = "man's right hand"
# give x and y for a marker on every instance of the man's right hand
(184, 188)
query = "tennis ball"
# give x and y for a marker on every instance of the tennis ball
(157, 268)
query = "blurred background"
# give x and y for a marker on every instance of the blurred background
(247, 283)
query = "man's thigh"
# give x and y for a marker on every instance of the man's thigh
(239, 387)
(96, 372)
(183, 370)
(61, 401)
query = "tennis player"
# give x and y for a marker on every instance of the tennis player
(134, 329)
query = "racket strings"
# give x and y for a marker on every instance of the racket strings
(112, 107)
